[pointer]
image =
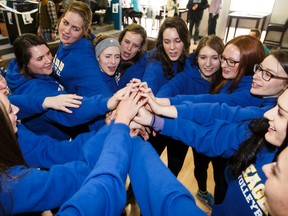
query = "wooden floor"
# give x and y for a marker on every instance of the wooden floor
(186, 176)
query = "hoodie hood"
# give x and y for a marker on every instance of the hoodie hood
(20, 84)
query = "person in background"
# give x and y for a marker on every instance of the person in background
(74, 64)
(257, 33)
(172, 8)
(47, 20)
(195, 12)
(214, 10)
(137, 10)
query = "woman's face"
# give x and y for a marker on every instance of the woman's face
(278, 120)
(130, 45)
(41, 60)
(172, 44)
(273, 87)
(11, 110)
(71, 28)
(232, 55)
(276, 185)
(109, 60)
(208, 62)
(3, 86)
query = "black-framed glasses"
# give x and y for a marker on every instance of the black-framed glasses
(266, 75)
(230, 62)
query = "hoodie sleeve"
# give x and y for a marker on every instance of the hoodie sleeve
(43, 151)
(204, 113)
(90, 109)
(220, 138)
(232, 99)
(103, 192)
(38, 190)
(24, 102)
(171, 198)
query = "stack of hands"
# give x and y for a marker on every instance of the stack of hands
(138, 108)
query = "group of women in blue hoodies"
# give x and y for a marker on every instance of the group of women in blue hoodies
(225, 128)
(103, 190)
(171, 71)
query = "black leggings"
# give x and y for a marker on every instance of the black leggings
(176, 151)
(201, 163)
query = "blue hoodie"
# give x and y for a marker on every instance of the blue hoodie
(157, 192)
(43, 151)
(189, 82)
(203, 113)
(103, 192)
(241, 96)
(76, 68)
(51, 122)
(134, 71)
(222, 138)
(39, 190)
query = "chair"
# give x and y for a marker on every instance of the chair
(275, 34)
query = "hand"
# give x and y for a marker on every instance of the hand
(153, 105)
(128, 108)
(136, 82)
(110, 116)
(144, 117)
(121, 94)
(62, 102)
(194, 7)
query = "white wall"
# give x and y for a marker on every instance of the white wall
(279, 15)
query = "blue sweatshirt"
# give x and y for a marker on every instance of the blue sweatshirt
(50, 189)
(103, 192)
(154, 75)
(157, 190)
(221, 127)
(222, 138)
(246, 191)
(43, 151)
(203, 113)
(233, 99)
(25, 101)
(188, 82)
(51, 122)
(134, 71)
(76, 68)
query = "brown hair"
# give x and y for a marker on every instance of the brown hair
(251, 52)
(22, 46)
(136, 29)
(160, 54)
(215, 43)
(84, 12)
(10, 154)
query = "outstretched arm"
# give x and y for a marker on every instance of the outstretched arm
(157, 190)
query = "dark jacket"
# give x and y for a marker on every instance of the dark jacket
(198, 13)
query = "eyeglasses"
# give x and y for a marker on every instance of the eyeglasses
(229, 62)
(266, 75)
